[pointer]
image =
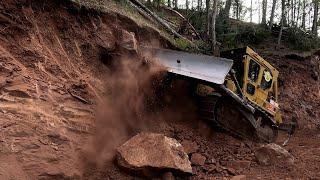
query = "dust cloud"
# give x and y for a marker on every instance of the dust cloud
(131, 95)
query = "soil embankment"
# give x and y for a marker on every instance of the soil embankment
(60, 67)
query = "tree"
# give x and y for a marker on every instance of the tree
(169, 3)
(315, 17)
(187, 6)
(274, 2)
(292, 13)
(303, 23)
(298, 14)
(199, 5)
(213, 24)
(176, 4)
(251, 9)
(264, 12)
(238, 9)
(283, 17)
(226, 10)
(156, 3)
(208, 16)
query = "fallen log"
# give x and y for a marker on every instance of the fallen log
(141, 7)
(143, 13)
(184, 19)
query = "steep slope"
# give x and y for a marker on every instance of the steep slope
(52, 61)
(56, 74)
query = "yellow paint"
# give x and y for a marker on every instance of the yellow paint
(260, 97)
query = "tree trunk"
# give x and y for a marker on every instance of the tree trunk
(208, 16)
(176, 4)
(309, 19)
(283, 16)
(288, 14)
(187, 6)
(226, 10)
(264, 12)
(185, 20)
(144, 10)
(213, 25)
(156, 3)
(259, 12)
(169, 3)
(199, 5)
(294, 7)
(292, 13)
(298, 14)
(303, 23)
(274, 2)
(237, 2)
(251, 10)
(315, 17)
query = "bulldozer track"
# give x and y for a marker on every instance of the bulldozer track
(207, 110)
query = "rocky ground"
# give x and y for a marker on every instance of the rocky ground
(56, 122)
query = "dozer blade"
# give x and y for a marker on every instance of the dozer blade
(207, 68)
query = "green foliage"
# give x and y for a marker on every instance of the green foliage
(251, 34)
(204, 47)
(301, 40)
(198, 20)
(123, 2)
(238, 34)
(182, 44)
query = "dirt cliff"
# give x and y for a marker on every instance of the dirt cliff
(56, 59)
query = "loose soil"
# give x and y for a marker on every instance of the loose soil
(54, 76)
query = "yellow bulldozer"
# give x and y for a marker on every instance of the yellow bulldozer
(237, 91)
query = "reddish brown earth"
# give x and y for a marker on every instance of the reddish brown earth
(55, 77)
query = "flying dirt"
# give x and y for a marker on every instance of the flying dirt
(74, 86)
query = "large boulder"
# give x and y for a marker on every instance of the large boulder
(128, 42)
(272, 154)
(150, 152)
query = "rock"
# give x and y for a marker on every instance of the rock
(60, 175)
(231, 171)
(189, 146)
(272, 154)
(57, 138)
(238, 177)
(210, 168)
(237, 165)
(198, 159)
(150, 152)
(128, 42)
(212, 161)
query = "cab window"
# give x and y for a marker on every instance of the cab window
(254, 69)
(251, 89)
(266, 80)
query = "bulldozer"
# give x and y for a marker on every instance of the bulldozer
(238, 91)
